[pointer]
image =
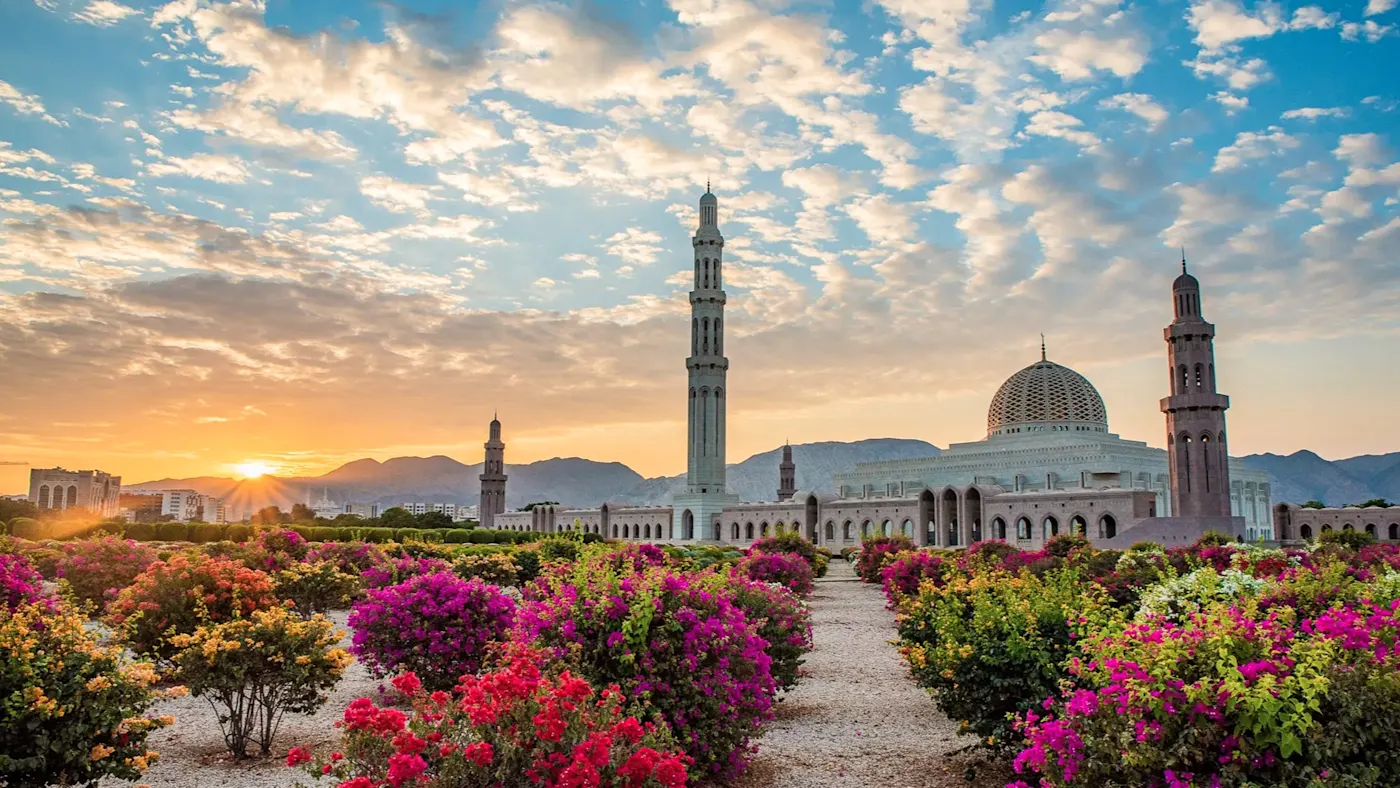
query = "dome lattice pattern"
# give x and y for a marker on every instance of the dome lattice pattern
(1046, 391)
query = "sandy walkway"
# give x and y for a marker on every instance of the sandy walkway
(856, 719)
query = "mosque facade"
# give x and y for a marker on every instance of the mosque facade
(1048, 465)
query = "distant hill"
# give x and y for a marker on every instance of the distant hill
(1304, 476)
(569, 480)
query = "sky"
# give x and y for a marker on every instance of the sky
(301, 233)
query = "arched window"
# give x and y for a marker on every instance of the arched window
(719, 336)
(1205, 457)
(707, 272)
(694, 340)
(626, 532)
(998, 528)
(1181, 379)
(43, 496)
(763, 529)
(614, 530)
(1078, 527)
(831, 531)
(1023, 528)
(748, 531)
(1183, 462)
(1327, 528)
(718, 284)
(1371, 529)
(865, 530)
(1200, 376)
(72, 496)
(1108, 527)
(734, 532)
(647, 530)
(705, 332)
(1347, 527)
(1049, 527)
(846, 531)
(1394, 531)
(907, 528)
(1306, 531)
(885, 528)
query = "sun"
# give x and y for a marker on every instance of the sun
(252, 470)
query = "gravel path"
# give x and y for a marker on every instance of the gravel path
(856, 718)
(192, 752)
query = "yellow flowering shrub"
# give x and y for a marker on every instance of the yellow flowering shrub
(254, 670)
(71, 711)
(315, 587)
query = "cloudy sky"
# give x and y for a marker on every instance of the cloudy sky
(305, 232)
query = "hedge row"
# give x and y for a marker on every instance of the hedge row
(37, 530)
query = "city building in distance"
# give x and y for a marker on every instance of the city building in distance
(60, 489)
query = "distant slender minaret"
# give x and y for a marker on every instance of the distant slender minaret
(1196, 448)
(493, 478)
(787, 475)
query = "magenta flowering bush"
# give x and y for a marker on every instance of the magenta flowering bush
(352, 558)
(786, 569)
(436, 625)
(1231, 696)
(278, 548)
(901, 577)
(632, 557)
(783, 621)
(20, 583)
(677, 645)
(397, 570)
(875, 553)
(97, 569)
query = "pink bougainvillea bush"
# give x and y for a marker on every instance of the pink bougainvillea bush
(398, 570)
(20, 583)
(436, 625)
(278, 548)
(786, 569)
(875, 553)
(1230, 697)
(352, 558)
(177, 596)
(902, 575)
(677, 647)
(96, 569)
(515, 727)
(784, 622)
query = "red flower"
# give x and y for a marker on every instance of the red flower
(297, 756)
(480, 753)
(407, 683)
(403, 768)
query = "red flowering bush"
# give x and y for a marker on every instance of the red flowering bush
(179, 595)
(786, 569)
(278, 548)
(20, 583)
(515, 727)
(98, 568)
(902, 575)
(436, 625)
(679, 648)
(875, 553)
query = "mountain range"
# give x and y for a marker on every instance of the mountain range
(1297, 477)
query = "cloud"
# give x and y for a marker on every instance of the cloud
(1061, 125)
(1378, 7)
(1250, 146)
(634, 246)
(1221, 22)
(1369, 30)
(1139, 104)
(25, 104)
(206, 166)
(397, 196)
(1313, 113)
(104, 13)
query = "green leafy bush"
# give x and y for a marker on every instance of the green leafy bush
(408, 534)
(45, 561)
(74, 712)
(378, 535)
(254, 670)
(558, 550)
(172, 532)
(238, 533)
(528, 562)
(479, 536)
(315, 587)
(204, 533)
(323, 533)
(1354, 540)
(27, 528)
(304, 531)
(458, 536)
(141, 532)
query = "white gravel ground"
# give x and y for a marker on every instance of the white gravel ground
(857, 718)
(192, 752)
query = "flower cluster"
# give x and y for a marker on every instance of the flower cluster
(786, 569)
(279, 548)
(436, 625)
(675, 645)
(397, 570)
(352, 558)
(875, 553)
(315, 587)
(515, 727)
(495, 568)
(179, 595)
(903, 575)
(20, 583)
(97, 569)
(783, 621)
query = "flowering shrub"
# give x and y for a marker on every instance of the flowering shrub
(352, 558)
(497, 569)
(631, 557)
(511, 728)
(783, 622)
(874, 553)
(20, 584)
(788, 543)
(993, 645)
(786, 569)
(73, 712)
(558, 549)
(98, 568)
(675, 646)
(1229, 696)
(181, 594)
(315, 587)
(398, 570)
(44, 560)
(902, 575)
(436, 625)
(278, 548)
(253, 670)
(1175, 599)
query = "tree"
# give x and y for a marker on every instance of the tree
(1381, 502)
(529, 507)
(434, 520)
(301, 513)
(347, 520)
(1314, 505)
(11, 508)
(397, 517)
(268, 515)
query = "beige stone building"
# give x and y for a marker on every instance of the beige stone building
(57, 488)
(1295, 523)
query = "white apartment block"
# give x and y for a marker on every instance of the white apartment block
(456, 511)
(187, 505)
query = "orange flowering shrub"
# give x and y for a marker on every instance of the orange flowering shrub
(179, 595)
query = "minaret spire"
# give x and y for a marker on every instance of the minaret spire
(1183, 259)
(1042, 347)
(493, 477)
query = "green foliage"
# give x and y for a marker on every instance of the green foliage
(428, 520)
(323, 533)
(204, 533)
(255, 670)
(172, 532)
(1314, 505)
(1381, 502)
(315, 587)
(73, 712)
(26, 528)
(304, 531)
(530, 507)
(238, 533)
(397, 517)
(45, 561)
(591, 538)
(1352, 539)
(458, 536)
(556, 549)
(528, 563)
(1064, 544)
(375, 535)
(269, 515)
(408, 535)
(301, 513)
(11, 508)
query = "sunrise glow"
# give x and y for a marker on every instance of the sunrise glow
(253, 469)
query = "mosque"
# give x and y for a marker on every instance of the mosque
(1048, 465)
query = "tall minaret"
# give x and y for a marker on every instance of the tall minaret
(787, 475)
(1196, 448)
(493, 478)
(706, 395)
